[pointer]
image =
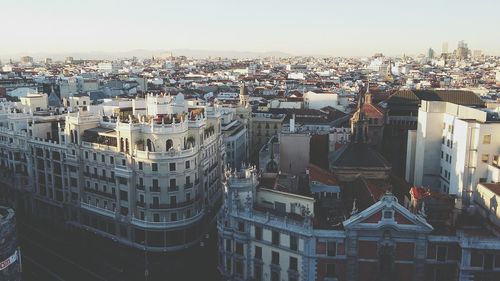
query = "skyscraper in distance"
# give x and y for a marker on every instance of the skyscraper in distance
(444, 49)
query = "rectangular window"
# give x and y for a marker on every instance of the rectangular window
(388, 214)
(239, 248)
(331, 249)
(241, 226)
(276, 238)
(187, 164)
(293, 263)
(239, 267)
(154, 167)
(111, 160)
(258, 252)
(330, 270)
(257, 272)
(275, 276)
(123, 195)
(103, 160)
(275, 259)
(258, 233)
(441, 253)
(293, 243)
(488, 261)
(94, 156)
(486, 139)
(140, 165)
(228, 245)
(172, 166)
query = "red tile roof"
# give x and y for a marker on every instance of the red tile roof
(321, 175)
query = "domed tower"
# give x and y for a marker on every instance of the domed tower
(243, 95)
(244, 115)
(240, 189)
(359, 124)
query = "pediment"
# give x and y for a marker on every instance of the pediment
(387, 212)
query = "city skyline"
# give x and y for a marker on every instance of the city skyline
(320, 28)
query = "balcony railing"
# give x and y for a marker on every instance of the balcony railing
(98, 210)
(152, 224)
(154, 188)
(141, 204)
(173, 188)
(140, 186)
(175, 205)
(188, 185)
(101, 193)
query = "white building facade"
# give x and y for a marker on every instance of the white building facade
(451, 149)
(147, 180)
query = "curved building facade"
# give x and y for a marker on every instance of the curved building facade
(144, 172)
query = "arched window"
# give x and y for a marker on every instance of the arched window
(169, 145)
(150, 145)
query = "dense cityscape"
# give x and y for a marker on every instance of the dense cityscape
(272, 168)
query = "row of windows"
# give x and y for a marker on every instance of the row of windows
(448, 156)
(172, 183)
(446, 173)
(103, 157)
(171, 166)
(276, 238)
(449, 143)
(173, 216)
(258, 268)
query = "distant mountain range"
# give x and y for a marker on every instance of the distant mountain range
(141, 53)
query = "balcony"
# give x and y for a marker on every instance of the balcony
(188, 185)
(176, 205)
(97, 210)
(154, 188)
(141, 204)
(177, 223)
(165, 155)
(140, 187)
(173, 188)
(100, 193)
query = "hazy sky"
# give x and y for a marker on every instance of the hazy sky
(325, 27)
